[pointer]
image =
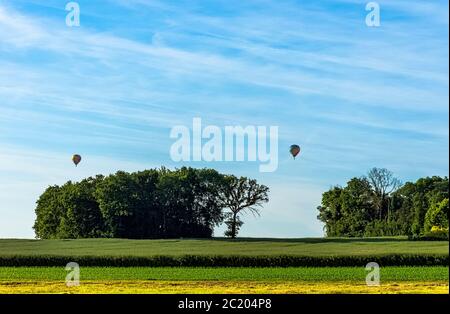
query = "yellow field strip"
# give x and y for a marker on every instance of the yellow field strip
(239, 287)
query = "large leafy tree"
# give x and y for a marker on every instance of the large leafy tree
(82, 217)
(69, 211)
(190, 202)
(330, 211)
(241, 195)
(48, 213)
(128, 204)
(347, 210)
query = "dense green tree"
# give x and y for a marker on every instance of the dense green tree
(417, 198)
(48, 213)
(373, 206)
(330, 212)
(128, 203)
(189, 202)
(437, 215)
(69, 211)
(82, 217)
(347, 210)
(156, 203)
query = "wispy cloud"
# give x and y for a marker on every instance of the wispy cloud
(352, 96)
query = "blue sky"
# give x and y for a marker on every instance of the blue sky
(353, 97)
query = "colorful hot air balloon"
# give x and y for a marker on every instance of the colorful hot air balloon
(76, 159)
(294, 150)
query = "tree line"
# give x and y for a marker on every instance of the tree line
(155, 203)
(379, 205)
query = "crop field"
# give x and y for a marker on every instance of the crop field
(390, 273)
(223, 280)
(224, 287)
(218, 246)
(402, 273)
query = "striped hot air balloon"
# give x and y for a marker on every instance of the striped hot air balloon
(76, 159)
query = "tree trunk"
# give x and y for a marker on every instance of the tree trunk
(233, 226)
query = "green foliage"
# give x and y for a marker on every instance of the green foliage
(436, 233)
(190, 203)
(69, 211)
(157, 203)
(48, 213)
(346, 211)
(374, 206)
(233, 224)
(228, 260)
(240, 195)
(127, 202)
(437, 215)
(418, 198)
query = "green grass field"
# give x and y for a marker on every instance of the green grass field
(395, 279)
(355, 274)
(271, 247)
(224, 280)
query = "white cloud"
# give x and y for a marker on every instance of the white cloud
(303, 68)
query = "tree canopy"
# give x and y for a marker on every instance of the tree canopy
(240, 195)
(377, 205)
(155, 203)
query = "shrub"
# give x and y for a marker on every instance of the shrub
(436, 233)
(229, 261)
(437, 217)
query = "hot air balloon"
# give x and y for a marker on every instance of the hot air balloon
(76, 159)
(294, 150)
